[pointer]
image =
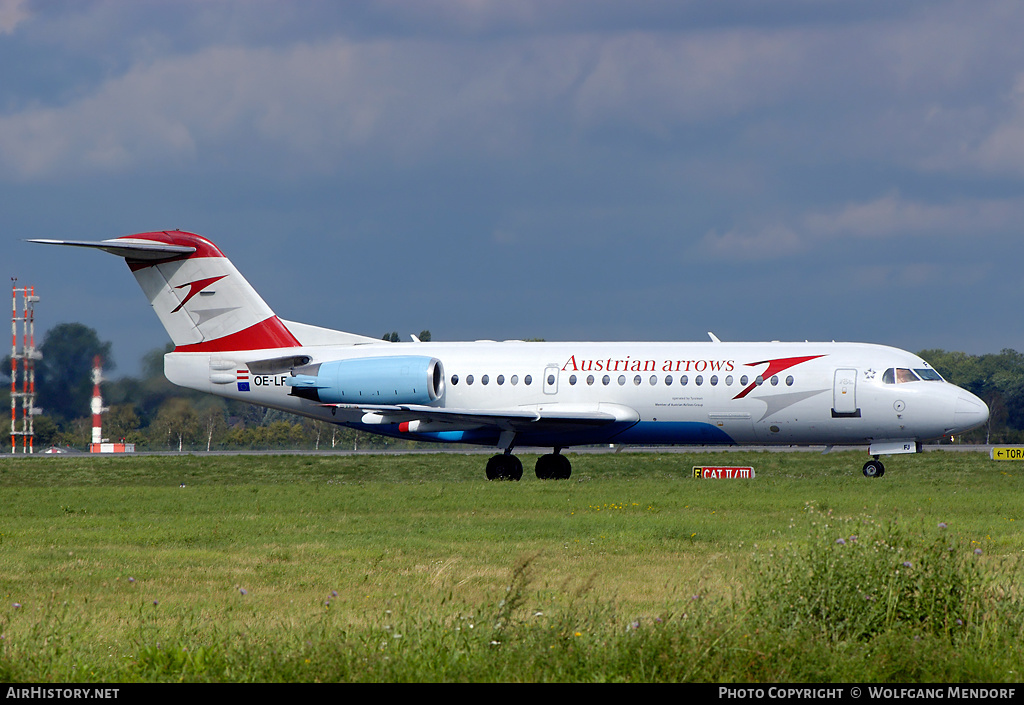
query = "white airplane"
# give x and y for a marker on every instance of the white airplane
(228, 342)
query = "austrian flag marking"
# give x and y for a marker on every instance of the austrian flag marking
(242, 377)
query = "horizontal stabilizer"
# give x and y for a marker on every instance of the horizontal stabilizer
(126, 248)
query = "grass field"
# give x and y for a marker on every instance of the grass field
(414, 568)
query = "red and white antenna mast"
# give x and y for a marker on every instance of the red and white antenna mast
(23, 365)
(99, 443)
(96, 405)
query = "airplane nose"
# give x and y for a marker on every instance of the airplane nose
(969, 412)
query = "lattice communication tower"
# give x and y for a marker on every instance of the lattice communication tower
(23, 360)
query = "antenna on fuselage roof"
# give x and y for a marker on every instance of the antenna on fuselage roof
(714, 338)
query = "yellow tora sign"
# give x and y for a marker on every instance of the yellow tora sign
(1008, 454)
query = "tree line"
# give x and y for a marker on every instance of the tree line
(154, 414)
(997, 379)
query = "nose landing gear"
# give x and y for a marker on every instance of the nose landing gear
(874, 468)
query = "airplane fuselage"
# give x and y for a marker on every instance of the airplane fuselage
(660, 393)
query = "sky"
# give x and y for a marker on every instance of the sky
(557, 169)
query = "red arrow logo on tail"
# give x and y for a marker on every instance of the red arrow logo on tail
(196, 287)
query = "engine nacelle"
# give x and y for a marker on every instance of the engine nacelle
(402, 379)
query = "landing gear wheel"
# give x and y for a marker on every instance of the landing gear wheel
(504, 467)
(874, 468)
(553, 467)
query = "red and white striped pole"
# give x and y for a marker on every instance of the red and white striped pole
(14, 358)
(30, 366)
(96, 405)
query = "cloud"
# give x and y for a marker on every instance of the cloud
(12, 13)
(766, 243)
(1001, 150)
(901, 276)
(211, 104)
(315, 105)
(661, 83)
(891, 217)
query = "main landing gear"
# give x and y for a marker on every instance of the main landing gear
(553, 466)
(506, 466)
(874, 468)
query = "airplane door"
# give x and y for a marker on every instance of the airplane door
(844, 393)
(551, 379)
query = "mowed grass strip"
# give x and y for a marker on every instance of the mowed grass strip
(102, 559)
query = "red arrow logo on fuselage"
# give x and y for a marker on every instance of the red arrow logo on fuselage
(774, 368)
(196, 287)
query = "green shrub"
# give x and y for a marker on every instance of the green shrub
(857, 578)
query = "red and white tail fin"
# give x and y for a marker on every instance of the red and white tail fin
(203, 302)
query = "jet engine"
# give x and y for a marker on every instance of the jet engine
(403, 379)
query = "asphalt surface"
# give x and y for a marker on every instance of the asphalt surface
(475, 450)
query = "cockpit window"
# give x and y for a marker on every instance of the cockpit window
(901, 375)
(929, 375)
(905, 375)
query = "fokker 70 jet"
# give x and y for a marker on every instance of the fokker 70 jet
(228, 341)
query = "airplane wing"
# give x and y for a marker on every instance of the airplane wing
(540, 418)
